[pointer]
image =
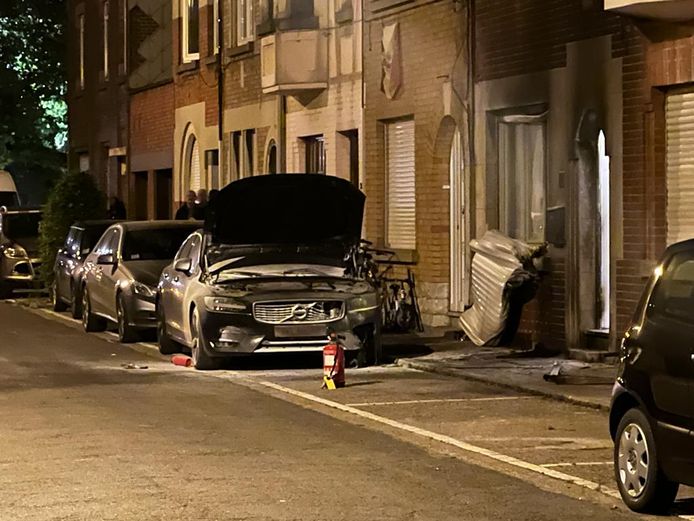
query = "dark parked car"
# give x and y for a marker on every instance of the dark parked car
(19, 242)
(121, 274)
(69, 265)
(652, 415)
(268, 274)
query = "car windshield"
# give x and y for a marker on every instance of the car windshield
(154, 244)
(9, 199)
(18, 226)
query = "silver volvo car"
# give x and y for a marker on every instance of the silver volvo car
(268, 274)
(121, 274)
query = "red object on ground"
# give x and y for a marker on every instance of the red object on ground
(334, 362)
(182, 360)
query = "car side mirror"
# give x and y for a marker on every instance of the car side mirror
(106, 260)
(183, 265)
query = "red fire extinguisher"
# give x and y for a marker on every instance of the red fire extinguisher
(333, 363)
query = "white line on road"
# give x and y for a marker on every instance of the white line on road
(441, 438)
(577, 464)
(440, 400)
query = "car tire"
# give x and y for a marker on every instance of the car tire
(201, 360)
(76, 304)
(166, 345)
(371, 351)
(127, 334)
(641, 482)
(56, 303)
(90, 322)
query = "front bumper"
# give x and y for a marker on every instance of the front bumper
(227, 334)
(19, 273)
(141, 312)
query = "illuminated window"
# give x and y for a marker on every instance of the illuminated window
(81, 51)
(105, 33)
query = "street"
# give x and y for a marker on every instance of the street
(86, 438)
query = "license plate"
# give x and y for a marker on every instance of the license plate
(301, 331)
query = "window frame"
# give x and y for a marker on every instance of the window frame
(105, 32)
(82, 29)
(186, 55)
(244, 22)
(317, 140)
(387, 196)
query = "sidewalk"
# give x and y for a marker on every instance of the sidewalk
(580, 383)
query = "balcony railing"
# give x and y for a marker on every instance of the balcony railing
(294, 61)
(665, 10)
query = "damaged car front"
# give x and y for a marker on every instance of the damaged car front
(268, 274)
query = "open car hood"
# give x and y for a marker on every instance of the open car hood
(286, 209)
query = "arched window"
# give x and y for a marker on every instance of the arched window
(604, 219)
(192, 163)
(271, 164)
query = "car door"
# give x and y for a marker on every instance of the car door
(103, 292)
(63, 260)
(171, 296)
(667, 354)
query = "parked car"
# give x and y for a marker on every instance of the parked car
(69, 265)
(267, 274)
(121, 274)
(8, 191)
(19, 238)
(652, 414)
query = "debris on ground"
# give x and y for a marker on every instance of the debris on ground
(182, 360)
(134, 366)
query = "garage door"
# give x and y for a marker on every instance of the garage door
(680, 166)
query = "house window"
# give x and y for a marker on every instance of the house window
(245, 26)
(105, 33)
(243, 150)
(191, 30)
(401, 224)
(315, 154)
(522, 177)
(215, 26)
(81, 21)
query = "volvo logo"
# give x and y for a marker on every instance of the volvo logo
(300, 312)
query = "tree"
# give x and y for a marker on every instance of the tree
(32, 79)
(75, 197)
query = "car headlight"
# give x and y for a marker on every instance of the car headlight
(224, 305)
(143, 290)
(16, 252)
(367, 302)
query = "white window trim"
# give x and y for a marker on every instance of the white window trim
(244, 17)
(215, 26)
(105, 33)
(186, 56)
(81, 29)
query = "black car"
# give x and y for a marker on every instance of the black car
(268, 274)
(652, 414)
(69, 262)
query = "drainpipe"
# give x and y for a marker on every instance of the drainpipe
(282, 132)
(220, 90)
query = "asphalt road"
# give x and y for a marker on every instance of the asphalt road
(84, 438)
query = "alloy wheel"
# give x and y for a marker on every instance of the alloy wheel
(633, 460)
(195, 349)
(121, 318)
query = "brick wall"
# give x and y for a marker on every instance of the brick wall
(152, 120)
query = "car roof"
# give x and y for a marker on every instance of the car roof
(679, 246)
(97, 223)
(158, 225)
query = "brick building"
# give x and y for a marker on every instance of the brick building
(415, 130)
(97, 90)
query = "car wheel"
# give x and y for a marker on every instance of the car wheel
(91, 322)
(641, 482)
(127, 334)
(57, 304)
(201, 360)
(166, 345)
(370, 352)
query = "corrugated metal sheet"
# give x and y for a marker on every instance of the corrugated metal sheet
(680, 166)
(496, 260)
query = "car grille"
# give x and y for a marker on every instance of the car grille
(303, 312)
(25, 268)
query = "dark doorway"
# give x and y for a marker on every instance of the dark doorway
(272, 158)
(353, 137)
(140, 194)
(315, 154)
(164, 194)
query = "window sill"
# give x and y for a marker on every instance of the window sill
(402, 257)
(187, 67)
(211, 60)
(240, 50)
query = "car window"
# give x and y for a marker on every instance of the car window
(113, 243)
(153, 244)
(72, 244)
(107, 242)
(195, 251)
(101, 244)
(185, 249)
(673, 295)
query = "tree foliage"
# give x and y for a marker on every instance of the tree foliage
(75, 197)
(32, 78)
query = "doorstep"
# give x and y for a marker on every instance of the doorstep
(579, 383)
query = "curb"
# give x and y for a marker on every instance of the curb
(458, 373)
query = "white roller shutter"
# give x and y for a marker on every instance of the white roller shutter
(401, 215)
(680, 166)
(195, 182)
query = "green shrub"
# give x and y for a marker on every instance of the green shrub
(75, 197)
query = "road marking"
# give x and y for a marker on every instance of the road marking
(448, 440)
(577, 464)
(440, 400)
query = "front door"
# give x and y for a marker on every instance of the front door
(458, 229)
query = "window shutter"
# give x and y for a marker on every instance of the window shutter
(401, 216)
(195, 180)
(680, 166)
